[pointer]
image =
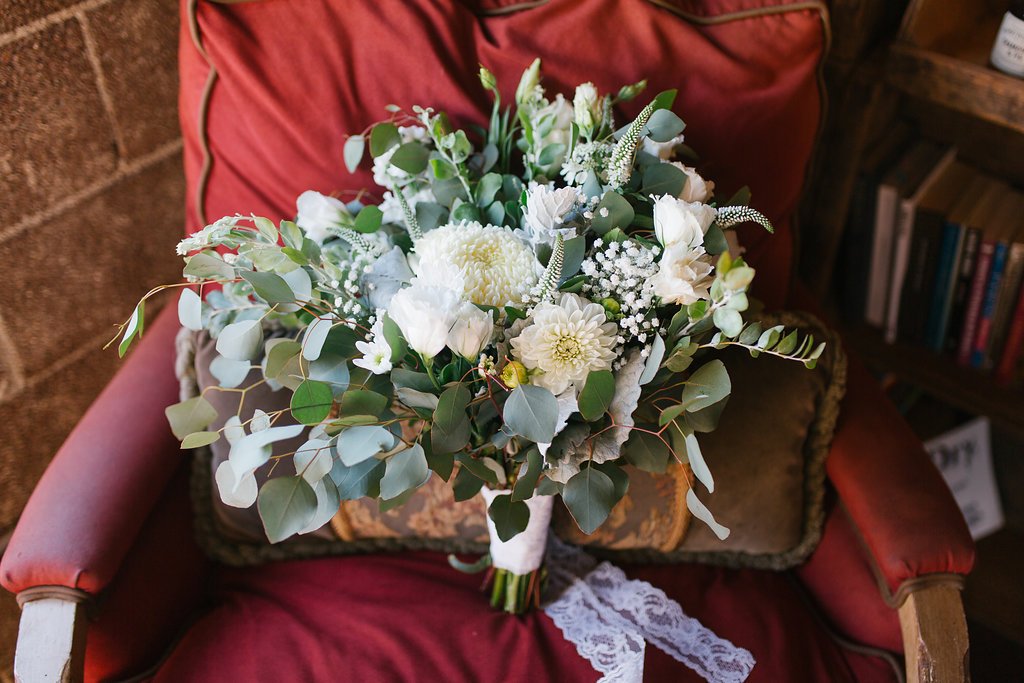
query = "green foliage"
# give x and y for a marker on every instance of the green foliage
(449, 432)
(529, 475)
(353, 152)
(311, 402)
(646, 451)
(405, 470)
(590, 496)
(597, 395)
(707, 386)
(286, 506)
(531, 412)
(510, 517)
(191, 415)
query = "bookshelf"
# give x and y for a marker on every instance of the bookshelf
(933, 73)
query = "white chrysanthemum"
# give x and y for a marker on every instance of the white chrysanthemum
(566, 341)
(496, 267)
(376, 351)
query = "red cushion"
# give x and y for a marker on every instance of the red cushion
(411, 617)
(293, 78)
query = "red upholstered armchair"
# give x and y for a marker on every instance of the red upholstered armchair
(103, 560)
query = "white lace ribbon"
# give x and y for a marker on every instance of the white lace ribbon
(610, 618)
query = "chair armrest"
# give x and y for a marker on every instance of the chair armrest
(87, 509)
(894, 495)
(51, 640)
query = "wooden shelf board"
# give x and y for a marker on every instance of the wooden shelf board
(960, 79)
(941, 377)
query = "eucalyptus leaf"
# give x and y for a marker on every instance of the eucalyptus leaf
(411, 157)
(532, 412)
(701, 512)
(208, 267)
(358, 480)
(449, 432)
(311, 402)
(654, 359)
(286, 506)
(199, 439)
(360, 443)
(353, 152)
(708, 385)
(368, 219)
(405, 470)
(613, 211)
(664, 125)
(241, 340)
(589, 495)
(132, 329)
(662, 179)
(529, 474)
(646, 451)
(229, 373)
(192, 415)
(383, 137)
(190, 310)
(466, 485)
(510, 517)
(316, 336)
(362, 402)
(597, 395)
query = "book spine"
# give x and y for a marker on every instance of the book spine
(1014, 348)
(919, 279)
(1013, 274)
(881, 255)
(945, 277)
(900, 257)
(974, 299)
(961, 290)
(988, 306)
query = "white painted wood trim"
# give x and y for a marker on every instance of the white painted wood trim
(51, 642)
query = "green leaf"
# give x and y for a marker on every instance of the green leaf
(510, 517)
(589, 495)
(550, 154)
(531, 412)
(597, 395)
(430, 215)
(620, 480)
(199, 439)
(266, 228)
(241, 341)
(229, 373)
(368, 219)
(207, 267)
(714, 241)
(662, 179)
(671, 413)
(665, 99)
(190, 310)
(466, 212)
(487, 188)
(286, 506)
(358, 480)
(646, 452)
(706, 419)
(405, 470)
(383, 137)
(466, 485)
(750, 333)
(787, 344)
(441, 464)
(133, 329)
(730, 322)
(479, 468)
(269, 286)
(362, 402)
(419, 381)
(279, 352)
(362, 442)
(411, 157)
(575, 251)
(311, 402)
(619, 213)
(529, 474)
(653, 360)
(664, 125)
(353, 152)
(470, 567)
(393, 336)
(449, 432)
(707, 386)
(192, 415)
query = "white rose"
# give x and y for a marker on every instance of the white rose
(662, 150)
(471, 332)
(318, 213)
(545, 210)
(586, 107)
(680, 221)
(556, 119)
(424, 314)
(696, 189)
(684, 275)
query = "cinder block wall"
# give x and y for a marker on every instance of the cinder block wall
(91, 197)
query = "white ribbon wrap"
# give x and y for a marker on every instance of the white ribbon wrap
(524, 552)
(610, 618)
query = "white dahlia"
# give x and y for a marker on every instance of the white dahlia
(496, 267)
(564, 342)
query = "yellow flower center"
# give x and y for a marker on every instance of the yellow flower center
(568, 349)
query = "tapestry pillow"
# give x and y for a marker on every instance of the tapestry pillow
(768, 456)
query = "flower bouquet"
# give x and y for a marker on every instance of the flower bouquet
(526, 311)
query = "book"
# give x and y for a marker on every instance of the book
(988, 203)
(1013, 350)
(955, 247)
(1002, 227)
(899, 182)
(1013, 275)
(939, 200)
(853, 269)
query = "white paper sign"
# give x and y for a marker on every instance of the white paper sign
(964, 456)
